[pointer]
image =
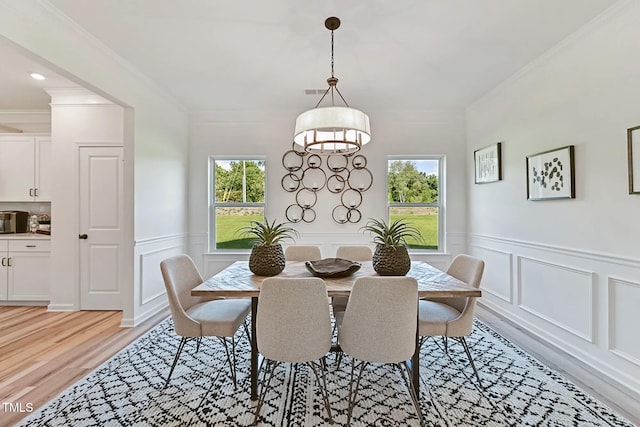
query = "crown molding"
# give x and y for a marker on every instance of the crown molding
(75, 96)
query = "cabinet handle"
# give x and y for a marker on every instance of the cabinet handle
(4, 261)
(31, 192)
(83, 236)
(31, 246)
(35, 192)
(9, 262)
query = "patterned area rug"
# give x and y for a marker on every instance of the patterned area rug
(128, 390)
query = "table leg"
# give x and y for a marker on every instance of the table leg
(415, 367)
(254, 350)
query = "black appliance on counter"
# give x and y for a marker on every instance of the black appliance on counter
(14, 222)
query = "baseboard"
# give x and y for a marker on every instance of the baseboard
(137, 320)
(25, 303)
(61, 307)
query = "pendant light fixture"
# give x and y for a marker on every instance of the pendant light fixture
(332, 129)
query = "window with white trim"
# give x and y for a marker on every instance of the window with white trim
(415, 188)
(237, 196)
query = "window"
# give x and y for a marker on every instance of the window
(414, 188)
(237, 197)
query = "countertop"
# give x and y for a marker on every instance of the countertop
(24, 236)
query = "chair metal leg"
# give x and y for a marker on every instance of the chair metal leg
(353, 392)
(175, 359)
(232, 365)
(198, 343)
(473, 365)
(338, 359)
(268, 369)
(322, 383)
(412, 389)
(246, 330)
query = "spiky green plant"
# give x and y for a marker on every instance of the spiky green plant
(392, 235)
(265, 233)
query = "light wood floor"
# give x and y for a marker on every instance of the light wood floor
(43, 353)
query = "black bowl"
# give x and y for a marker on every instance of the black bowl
(332, 267)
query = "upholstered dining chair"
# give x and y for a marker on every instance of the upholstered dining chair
(352, 253)
(194, 317)
(302, 253)
(379, 326)
(452, 317)
(293, 325)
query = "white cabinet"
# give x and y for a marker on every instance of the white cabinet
(25, 168)
(4, 273)
(24, 272)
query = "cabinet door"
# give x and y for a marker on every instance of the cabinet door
(4, 283)
(4, 256)
(17, 166)
(43, 169)
(29, 276)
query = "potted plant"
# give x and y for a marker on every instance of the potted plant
(391, 257)
(267, 256)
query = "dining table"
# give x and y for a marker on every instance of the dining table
(237, 281)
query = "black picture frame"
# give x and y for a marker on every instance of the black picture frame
(488, 163)
(551, 174)
(633, 149)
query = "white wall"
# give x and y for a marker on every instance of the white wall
(26, 121)
(567, 270)
(270, 135)
(155, 138)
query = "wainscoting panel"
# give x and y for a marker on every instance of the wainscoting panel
(583, 303)
(558, 294)
(216, 262)
(497, 278)
(149, 291)
(151, 282)
(624, 320)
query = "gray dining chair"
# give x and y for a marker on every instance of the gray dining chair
(302, 253)
(452, 317)
(352, 253)
(193, 317)
(293, 325)
(379, 326)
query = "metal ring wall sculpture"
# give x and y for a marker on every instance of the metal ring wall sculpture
(346, 175)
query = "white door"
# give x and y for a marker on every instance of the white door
(101, 228)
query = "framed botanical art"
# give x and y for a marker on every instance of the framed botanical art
(633, 148)
(550, 174)
(488, 163)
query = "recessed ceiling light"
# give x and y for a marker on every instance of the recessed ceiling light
(37, 76)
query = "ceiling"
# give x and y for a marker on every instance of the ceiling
(400, 54)
(20, 92)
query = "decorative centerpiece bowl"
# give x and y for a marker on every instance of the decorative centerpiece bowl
(332, 267)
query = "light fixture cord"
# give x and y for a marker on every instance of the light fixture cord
(331, 53)
(332, 100)
(332, 86)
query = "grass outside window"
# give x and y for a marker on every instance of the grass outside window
(424, 219)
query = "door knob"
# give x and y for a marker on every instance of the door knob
(83, 236)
